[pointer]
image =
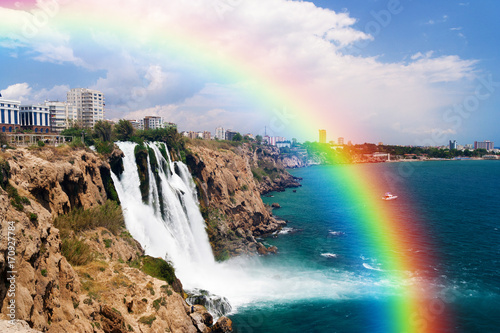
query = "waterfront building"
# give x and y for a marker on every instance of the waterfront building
(322, 136)
(9, 115)
(206, 135)
(453, 144)
(152, 122)
(35, 118)
(137, 124)
(89, 105)
(63, 115)
(283, 144)
(488, 145)
(220, 133)
(230, 135)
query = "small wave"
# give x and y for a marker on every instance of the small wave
(365, 265)
(329, 255)
(286, 230)
(336, 233)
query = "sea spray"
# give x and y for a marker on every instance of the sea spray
(179, 236)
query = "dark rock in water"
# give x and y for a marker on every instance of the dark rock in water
(272, 249)
(276, 205)
(223, 325)
(216, 305)
(261, 249)
(294, 191)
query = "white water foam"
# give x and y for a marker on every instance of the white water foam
(179, 236)
(329, 255)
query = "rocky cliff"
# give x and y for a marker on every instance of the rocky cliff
(109, 293)
(230, 181)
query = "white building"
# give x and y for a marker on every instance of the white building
(63, 115)
(152, 122)
(283, 144)
(9, 115)
(35, 117)
(220, 133)
(89, 104)
(137, 124)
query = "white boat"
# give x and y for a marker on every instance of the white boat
(389, 196)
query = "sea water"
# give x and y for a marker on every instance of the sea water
(454, 205)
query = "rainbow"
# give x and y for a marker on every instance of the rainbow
(288, 103)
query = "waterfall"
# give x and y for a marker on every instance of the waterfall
(179, 234)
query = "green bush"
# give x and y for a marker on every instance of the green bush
(76, 252)
(107, 242)
(109, 216)
(147, 320)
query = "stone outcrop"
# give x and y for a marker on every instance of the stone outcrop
(230, 183)
(109, 294)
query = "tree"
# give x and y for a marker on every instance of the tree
(102, 131)
(258, 138)
(237, 137)
(124, 130)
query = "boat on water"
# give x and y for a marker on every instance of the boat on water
(389, 196)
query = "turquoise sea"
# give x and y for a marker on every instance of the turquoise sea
(453, 204)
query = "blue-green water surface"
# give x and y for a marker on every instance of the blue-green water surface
(454, 205)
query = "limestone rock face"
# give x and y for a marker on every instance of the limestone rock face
(59, 179)
(230, 199)
(106, 295)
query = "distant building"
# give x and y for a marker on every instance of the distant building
(89, 105)
(35, 118)
(220, 133)
(488, 145)
(137, 124)
(230, 135)
(63, 115)
(207, 135)
(380, 144)
(469, 146)
(341, 141)
(152, 122)
(322, 136)
(9, 115)
(453, 144)
(283, 144)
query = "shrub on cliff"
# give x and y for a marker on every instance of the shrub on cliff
(124, 130)
(108, 216)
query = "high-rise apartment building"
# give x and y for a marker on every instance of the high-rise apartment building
(322, 136)
(453, 144)
(63, 115)
(89, 105)
(488, 145)
(220, 133)
(9, 115)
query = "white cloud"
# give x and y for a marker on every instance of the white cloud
(16, 91)
(27, 95)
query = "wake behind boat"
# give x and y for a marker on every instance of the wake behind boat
(389, 196)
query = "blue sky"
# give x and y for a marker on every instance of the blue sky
(425, 74)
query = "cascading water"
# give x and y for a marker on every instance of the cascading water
(171, 226)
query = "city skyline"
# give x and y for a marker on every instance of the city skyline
(400, 72)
